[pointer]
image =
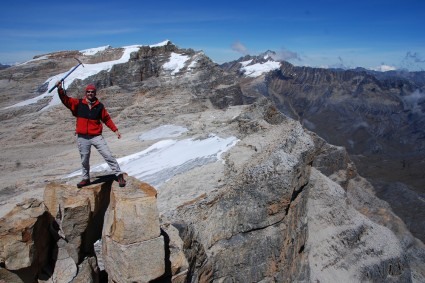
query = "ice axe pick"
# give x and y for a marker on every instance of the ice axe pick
(73, 69)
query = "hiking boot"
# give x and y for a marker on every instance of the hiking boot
(121, 180)
(84, 182)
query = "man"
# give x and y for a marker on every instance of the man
(90, 112)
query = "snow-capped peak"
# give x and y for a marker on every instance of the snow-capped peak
(165, 42)
(262, 64)
(83, 73)
(384, 68)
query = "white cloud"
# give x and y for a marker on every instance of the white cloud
(239, 47)
(413, 61)
(414, 56)
(286, 55)
(415, 100)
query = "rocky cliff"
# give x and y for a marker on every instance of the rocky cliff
(376, 116)
(279, 204)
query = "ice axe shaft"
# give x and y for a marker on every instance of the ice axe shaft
(73, 69)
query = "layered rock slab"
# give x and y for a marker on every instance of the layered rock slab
(132, 244)
(24, 241)
(79, 214)
(78, 220)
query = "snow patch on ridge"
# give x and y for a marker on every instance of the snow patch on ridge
(93, 51)
(246, 63)
(384, 68)
(176, 63)
(165, 42)
(81, 73)
(34, 60)
(258, 69)
(167, 158)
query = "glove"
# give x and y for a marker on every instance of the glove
(59, 85)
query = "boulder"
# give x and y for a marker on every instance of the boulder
(132, 245)
(9, 276)
(65, 267)
(177, 267)
(137, 262)
(25, 238)
(78, 214)
(87, 271)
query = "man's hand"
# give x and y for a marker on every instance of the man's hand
(59, 85)
(118, 134)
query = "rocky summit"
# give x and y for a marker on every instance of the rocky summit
(222, 184)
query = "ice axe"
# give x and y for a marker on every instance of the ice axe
(73, 69)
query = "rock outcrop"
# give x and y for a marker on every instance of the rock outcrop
(132, 245)
(53, 240)
(25, 241)
(274, 217)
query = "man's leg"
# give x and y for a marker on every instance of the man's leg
(101, 146)
(84, 146)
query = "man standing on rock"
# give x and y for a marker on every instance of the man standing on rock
(90, 112)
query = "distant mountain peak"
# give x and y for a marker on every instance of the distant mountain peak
(254, 66)
(269, 54)
(4, 66)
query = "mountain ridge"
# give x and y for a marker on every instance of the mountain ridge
(251, 215)
(377, 116)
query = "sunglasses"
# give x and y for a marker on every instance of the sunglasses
(90, 91)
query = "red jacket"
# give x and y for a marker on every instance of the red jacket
(88, 119)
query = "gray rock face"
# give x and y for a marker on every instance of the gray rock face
(276, 218)
(281, 205)
(347, 246)
(376, 116)
(245, 226)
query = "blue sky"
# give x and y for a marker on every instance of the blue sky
(322, 33)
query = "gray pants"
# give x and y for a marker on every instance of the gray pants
(84, 145)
